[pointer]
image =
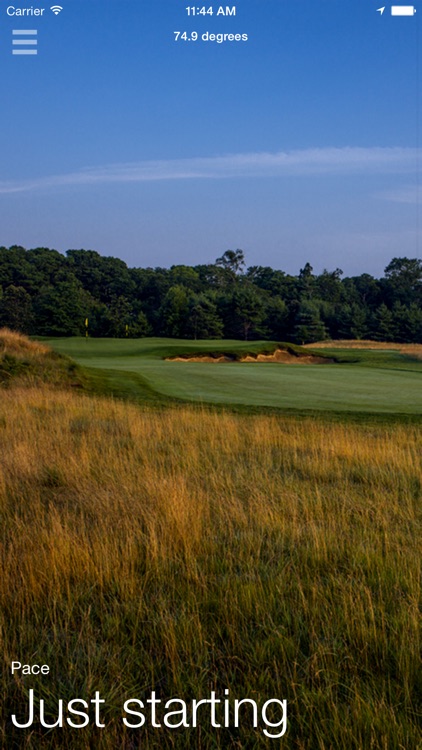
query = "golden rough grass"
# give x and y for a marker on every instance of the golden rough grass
(12, 342)
(411, 349)
(186, 549)
(26, 363)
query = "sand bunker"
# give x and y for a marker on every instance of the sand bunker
(286, 358)
(200, 359)
(280, 355)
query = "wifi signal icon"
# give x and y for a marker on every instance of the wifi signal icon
(56, 9)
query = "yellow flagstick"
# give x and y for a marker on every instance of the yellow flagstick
(127, 330)
(86, 328)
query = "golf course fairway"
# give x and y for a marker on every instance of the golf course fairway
(384, 382)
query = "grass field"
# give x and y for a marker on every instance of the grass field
(186, 549)
(385, 382)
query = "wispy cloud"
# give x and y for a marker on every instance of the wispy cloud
(315, 161)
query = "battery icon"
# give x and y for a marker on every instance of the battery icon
(403, 10)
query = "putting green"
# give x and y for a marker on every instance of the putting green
(377, 382)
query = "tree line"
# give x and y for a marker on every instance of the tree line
(46, 293)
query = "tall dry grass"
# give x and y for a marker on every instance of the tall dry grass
(30, 363)
(15, 343)
(187, 550)
(410, 349)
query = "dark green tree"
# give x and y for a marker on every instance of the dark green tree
(121, 316)
(61, 310)
(276, 318)
(47, 268)
(140, 327)
(203, 319)
(366, 288)
(306, 282)
(151, 287)
(186, 276)
(404, 280)
(231, 265)
(174, 312)
(249, 311)
(382, 327)
(328, 286)
(16, 309)
(14, 267)
(308, 325)
(351, 322)
(407, 323)
(103, 277)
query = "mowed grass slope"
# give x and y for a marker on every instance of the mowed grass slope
(185, 550)
(383, 382)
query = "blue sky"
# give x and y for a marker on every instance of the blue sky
(298, 145)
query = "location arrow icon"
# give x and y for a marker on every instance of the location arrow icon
(381, 10)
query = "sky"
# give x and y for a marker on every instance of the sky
(301, 144)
